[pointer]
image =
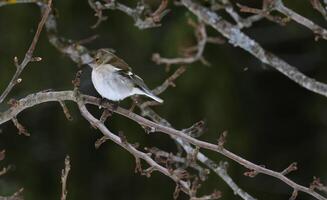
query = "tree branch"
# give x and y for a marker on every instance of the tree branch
(238, 38)
(220, 169)
(41, 97)
(279, 6)
(28, 56)
(130, 148)
(191, 57)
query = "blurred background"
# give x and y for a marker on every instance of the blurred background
(270, 119)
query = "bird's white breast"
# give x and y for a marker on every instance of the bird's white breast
(109, 84)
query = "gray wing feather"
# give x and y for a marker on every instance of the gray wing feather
(119, 63)
(136, 80)
(139, 83)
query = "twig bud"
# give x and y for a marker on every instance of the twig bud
(36, 59)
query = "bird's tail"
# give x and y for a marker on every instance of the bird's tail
(154, 97)
(147, 92)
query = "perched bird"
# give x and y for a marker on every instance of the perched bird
(113, 78)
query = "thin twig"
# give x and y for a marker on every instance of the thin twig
(21, 129)
(2, 154)
(28, 56)
(64, 176)
(5, 170)
(141, 20)
(318, 30)
(16, 196)
(202, 39)
(66, 111)
(169, 81)
(319, 7)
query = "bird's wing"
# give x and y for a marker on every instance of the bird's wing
(139, 83)
(119, 63)
(136, 80)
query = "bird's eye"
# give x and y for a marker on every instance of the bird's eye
(97, 59)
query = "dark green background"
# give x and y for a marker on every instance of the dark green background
(270, 119)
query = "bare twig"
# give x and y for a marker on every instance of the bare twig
(5, 170)
(222, 139)
(168, 158)
(169, 81)
(264, 13)
(252, 173)
(157, 15)
(2, 154)
(241, 22)
(202, 39)
(97, 7)
(66, 111)
(16, 196)
(319, 7)
(100, 141)
(197, 129)
(21, 129)
(64, 176)
(8, 2)
(142, 20)
(318, 30)
(294, 195)
(292, 167)
(316, 184)
(105, 114)
(28, 56)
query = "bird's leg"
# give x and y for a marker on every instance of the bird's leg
(101, 102)
(115, 105)
(107, 112)
(105, 115)
(131, 109)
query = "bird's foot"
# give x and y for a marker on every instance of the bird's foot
(109, 112)
(115, 105)
(105, 115)
(104, 101)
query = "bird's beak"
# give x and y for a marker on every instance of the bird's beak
(91, 62)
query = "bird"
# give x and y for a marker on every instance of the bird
(114, 80)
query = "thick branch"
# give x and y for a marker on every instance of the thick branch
(38, 98)
(238, 38)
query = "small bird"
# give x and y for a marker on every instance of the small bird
(113, 78)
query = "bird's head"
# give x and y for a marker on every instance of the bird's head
(103, 56)
(106, 56)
